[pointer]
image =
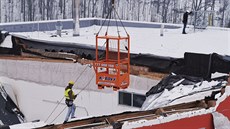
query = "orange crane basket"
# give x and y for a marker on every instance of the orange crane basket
(113, 69)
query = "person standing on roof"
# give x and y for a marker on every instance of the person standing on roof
(185, 20)
(70, 96)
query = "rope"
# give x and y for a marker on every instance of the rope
(109, 22)
(86, 84)
(77, 94)
(104, 21)
(59, 114)
(121, 22)
(64, 96)
(109, 15)
(116, 23)
(54, 109)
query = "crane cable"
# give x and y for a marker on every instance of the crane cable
(77, 94)
(104, 21)
(64, 96)
(121, 21)
(109, 16)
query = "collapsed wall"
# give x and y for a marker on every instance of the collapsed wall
(58, 74)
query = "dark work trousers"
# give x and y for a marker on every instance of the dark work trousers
(185, 24)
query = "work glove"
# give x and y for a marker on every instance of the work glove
(75, 96)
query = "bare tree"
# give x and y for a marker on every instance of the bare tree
(84, 8)
(165, 6)
(158, 3)
(51, 10)
(29, 4)
(89, 2)
(138, 8)
(196, 6)
(11, 10)
(0, 11)
(40, 6)
(144, 15)
(207, 4)
(212, 8)
(33, 10)
(106, 8)
(222, 10)
(60, 4)
(152, 10)
(175, 11)
(94, 2)
(48, 9)
(64, 9)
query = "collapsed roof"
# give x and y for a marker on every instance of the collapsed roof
(9, 112)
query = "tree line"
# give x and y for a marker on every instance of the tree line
(213, 12)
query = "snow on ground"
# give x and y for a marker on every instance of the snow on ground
(148, 40)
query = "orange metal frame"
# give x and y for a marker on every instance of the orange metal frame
(112, 72)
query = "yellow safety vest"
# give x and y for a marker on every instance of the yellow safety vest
(67, 93)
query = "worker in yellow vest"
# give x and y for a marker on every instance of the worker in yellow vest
(70, 96)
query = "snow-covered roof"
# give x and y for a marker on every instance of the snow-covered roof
(145, 37)
(148, 40)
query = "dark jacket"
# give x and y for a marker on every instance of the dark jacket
(185, 17)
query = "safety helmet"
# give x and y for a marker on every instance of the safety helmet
(71, 83)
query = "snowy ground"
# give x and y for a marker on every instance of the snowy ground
(148, 40)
